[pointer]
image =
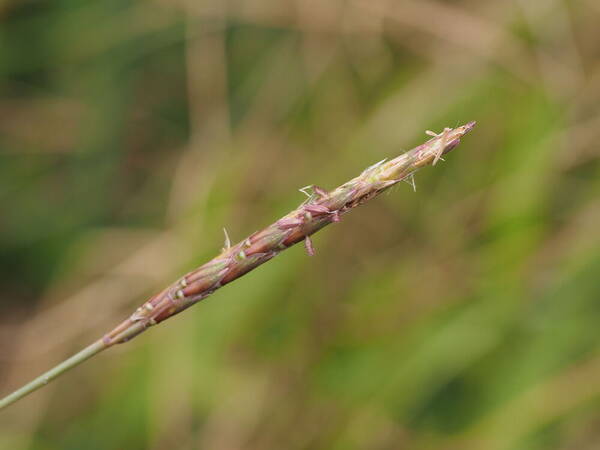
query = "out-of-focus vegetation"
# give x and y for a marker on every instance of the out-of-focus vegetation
(463, 316)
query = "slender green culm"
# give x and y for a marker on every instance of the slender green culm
(320, 209)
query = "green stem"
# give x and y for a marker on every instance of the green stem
(125, 333)
(45, 378)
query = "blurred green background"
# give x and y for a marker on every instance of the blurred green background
(463, 316)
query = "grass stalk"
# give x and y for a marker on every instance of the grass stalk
(320, 209)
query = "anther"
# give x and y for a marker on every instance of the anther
(227, 244)
(309, 247)
(319, 191)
